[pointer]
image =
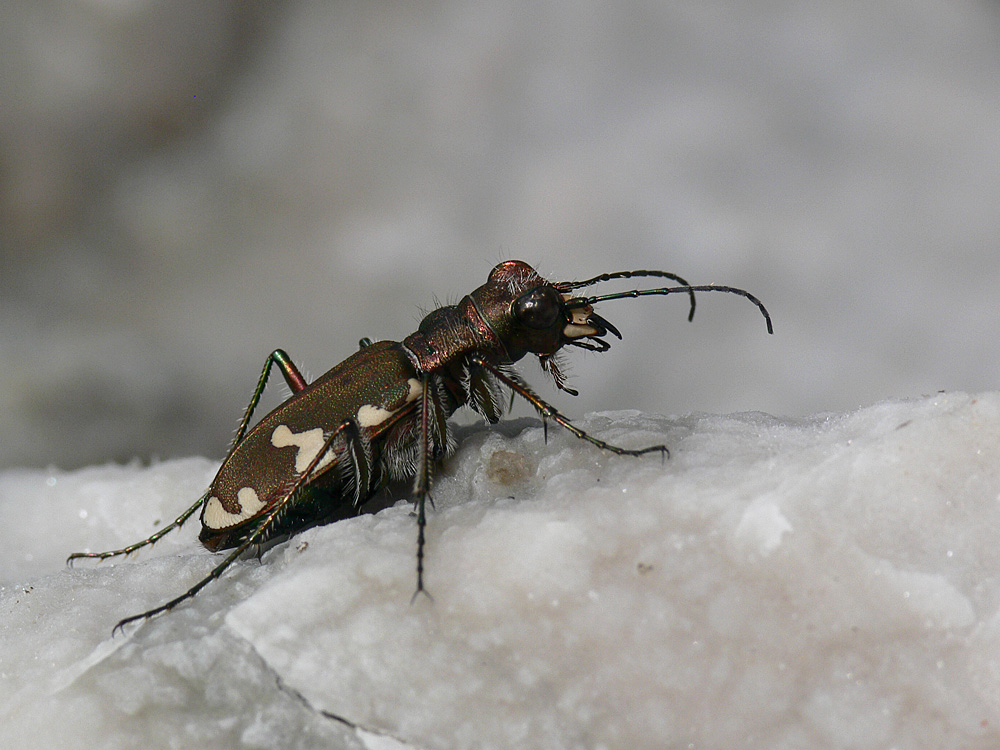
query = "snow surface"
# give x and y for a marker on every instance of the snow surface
(185, 186)
(828, 582)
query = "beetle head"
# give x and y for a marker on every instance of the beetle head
(532, 315)
(527, 314)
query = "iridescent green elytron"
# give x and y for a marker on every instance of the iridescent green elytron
(382, 414)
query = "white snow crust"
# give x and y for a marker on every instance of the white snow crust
(828, 582)
(186, 186)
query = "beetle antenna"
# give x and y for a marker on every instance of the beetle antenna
(568, 286)
(585, 301)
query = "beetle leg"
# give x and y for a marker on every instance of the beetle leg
(295, 381)
(253, 537)
(177, 522)
(547, 411)
(292, 376)
(216, 572)
(357, 451)
(550, 364)
(422, 479)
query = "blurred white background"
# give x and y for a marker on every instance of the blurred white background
(186, 185)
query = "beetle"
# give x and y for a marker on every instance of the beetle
(382, 414)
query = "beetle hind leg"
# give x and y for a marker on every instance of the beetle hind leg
(261, 532)
(175, 524)
(294, 379)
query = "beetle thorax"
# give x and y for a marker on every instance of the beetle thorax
(449, 334)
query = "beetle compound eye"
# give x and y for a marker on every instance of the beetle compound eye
(538, 308)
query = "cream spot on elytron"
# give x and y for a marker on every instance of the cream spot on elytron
(217, 517)
(371, 416)
(415, 389)
(309, 443)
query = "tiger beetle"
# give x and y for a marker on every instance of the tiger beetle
(382, 414)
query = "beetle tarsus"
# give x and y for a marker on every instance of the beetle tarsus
(421, 525)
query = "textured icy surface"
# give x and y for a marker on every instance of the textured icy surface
(823, 582)
(185, 186)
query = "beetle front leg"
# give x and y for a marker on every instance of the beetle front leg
(550, 412)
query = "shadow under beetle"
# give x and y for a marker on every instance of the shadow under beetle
(382, 413)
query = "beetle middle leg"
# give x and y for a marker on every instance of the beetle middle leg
(431, 418)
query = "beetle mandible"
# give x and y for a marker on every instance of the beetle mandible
(382, 414)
